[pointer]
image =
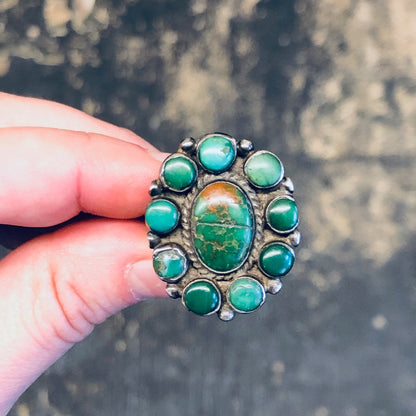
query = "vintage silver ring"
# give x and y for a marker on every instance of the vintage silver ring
(223, 225)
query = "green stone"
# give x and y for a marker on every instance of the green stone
(222, 220)
(169, 263)
(282, 214)
(162, 216)
(246, 294)
(179, 172)
(201, 297)
(216, 153)
(276, 259)
(264, 169)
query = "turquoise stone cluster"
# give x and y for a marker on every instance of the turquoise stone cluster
(223, 225)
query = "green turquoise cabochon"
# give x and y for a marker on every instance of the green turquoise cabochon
(216, 152)
(223, 225)
(246, 294)
(282, 214)
(276, 259)
(179, 172)
(170, 263)
(201, 297)
(162, 216)
(264, 169)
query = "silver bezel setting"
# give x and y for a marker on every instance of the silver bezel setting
(162, 172)
(158, 233)
(181, 252)
(207, 136)
(284, 232)
(189, 227)
(250, 278)
(275, 184)
(216, 288)
(283, 244)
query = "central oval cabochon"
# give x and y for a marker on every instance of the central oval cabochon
(222, 220)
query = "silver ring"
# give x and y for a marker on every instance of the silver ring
(223, 225)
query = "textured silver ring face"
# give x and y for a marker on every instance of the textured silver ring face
(223, 225)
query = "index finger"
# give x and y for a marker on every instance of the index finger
(17, 111)
(47, 176)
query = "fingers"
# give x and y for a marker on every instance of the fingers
(48, 175)
(16, 111)
(56, 288)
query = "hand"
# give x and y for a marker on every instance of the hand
(54, 163)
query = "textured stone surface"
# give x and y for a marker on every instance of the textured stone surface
(329, 86)
(263, 169)
(169, 263)
(216, 153)
(246, 294)
(223, 226)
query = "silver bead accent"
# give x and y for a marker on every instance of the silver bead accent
(288, 184)
(155, 188)
(226, 313)
(294, 238)
(188, 144)
(172, 291)
(153, 239)
(274, 286)
(244, 147)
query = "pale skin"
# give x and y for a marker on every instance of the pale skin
(56, 162)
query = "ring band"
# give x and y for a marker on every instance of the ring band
(223, 225)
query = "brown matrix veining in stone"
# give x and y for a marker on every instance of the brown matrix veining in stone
(223, 226)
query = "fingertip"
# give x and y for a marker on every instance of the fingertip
(142, 281)
(158, 155)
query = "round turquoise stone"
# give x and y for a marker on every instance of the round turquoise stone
(223, 225)
(179, 172)
(276, 259)
(282, 214)
(169, 263)
(216, 153)
(201, 297)
(246, 294)
(264, 169)
(162, 216)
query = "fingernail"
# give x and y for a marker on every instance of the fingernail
(143, 282)
(157, 155)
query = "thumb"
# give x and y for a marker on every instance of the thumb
(54, 289)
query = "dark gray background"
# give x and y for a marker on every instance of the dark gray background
(330, 87)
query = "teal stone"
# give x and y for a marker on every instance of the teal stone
(282, 214)
(162, 216)
(169, 263)
(246, 294)
(201, 297)
(216, 153)
(223, 225)
(179, 172)
(276, 259)
(264, 169)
